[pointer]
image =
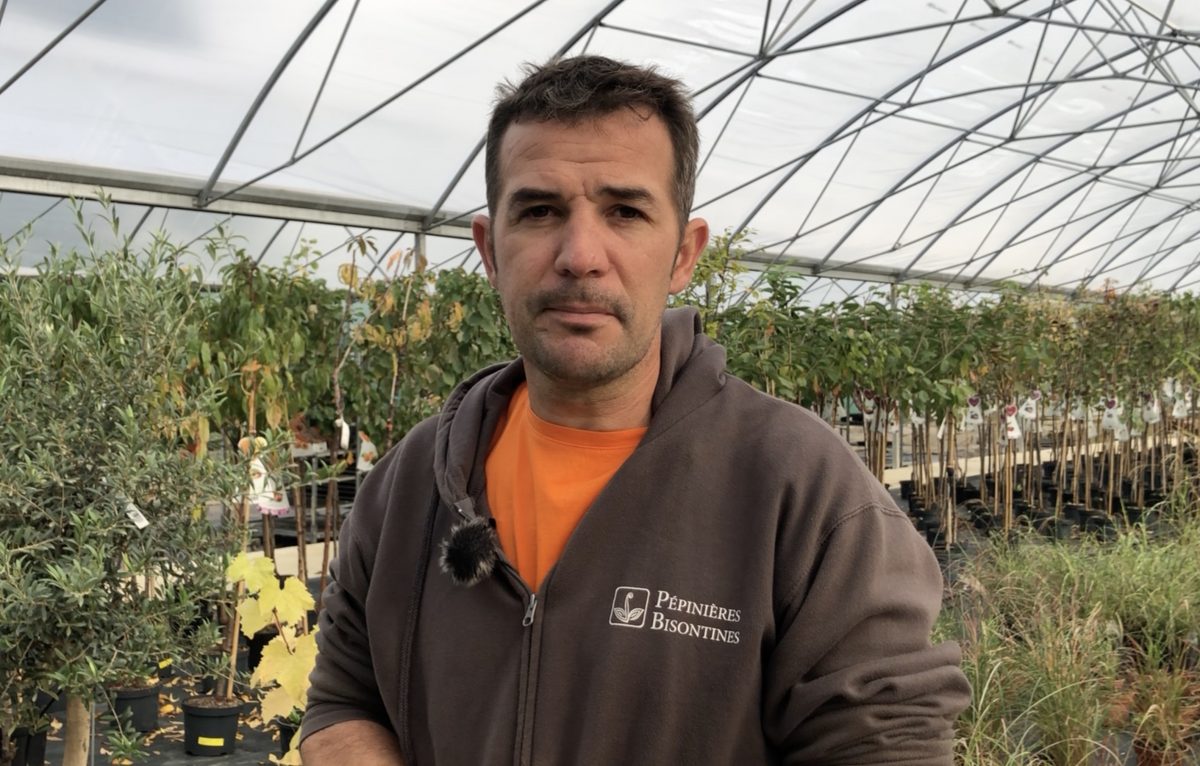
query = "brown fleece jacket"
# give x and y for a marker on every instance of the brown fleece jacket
(742, 592)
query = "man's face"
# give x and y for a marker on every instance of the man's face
(586, 245)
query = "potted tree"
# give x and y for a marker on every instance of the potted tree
(104, 550)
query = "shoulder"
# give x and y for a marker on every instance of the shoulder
(821, 482)
(406, 467)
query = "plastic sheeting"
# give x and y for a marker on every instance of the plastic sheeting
(969, 141)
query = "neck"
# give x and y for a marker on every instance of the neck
(618, 404)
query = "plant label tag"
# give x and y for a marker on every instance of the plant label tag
(367, 453)
(263, 494)
(941, 434)
(1121, 432)
(1181, 408)
(915, 419)
(343, 433)
(974, 411)
(1151, 413)
(1011, 429)
(136, 516)
(1168, 389)
(1112, 415)
(1092, 431)
(1029, 408)
(1077, 411)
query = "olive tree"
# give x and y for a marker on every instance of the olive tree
(105, 554)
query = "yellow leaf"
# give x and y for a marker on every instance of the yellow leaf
(277, 703)
(289, 670)
(456, 316)
(257, 572)
(290, 601)
(253, 617)
(348, 275)
(274, 414)
(294, 602)
(202, 432)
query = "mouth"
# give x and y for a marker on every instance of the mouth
(580, 309)
(579, 317)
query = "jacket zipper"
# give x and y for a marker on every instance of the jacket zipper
(527, 685)
(530, 611)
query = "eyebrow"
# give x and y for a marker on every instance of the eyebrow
(528, 194)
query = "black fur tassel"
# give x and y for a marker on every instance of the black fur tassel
(469, 553)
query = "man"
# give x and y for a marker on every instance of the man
(609, 551)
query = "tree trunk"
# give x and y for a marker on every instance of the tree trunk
(77, 738)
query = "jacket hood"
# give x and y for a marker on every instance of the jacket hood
(691, 371)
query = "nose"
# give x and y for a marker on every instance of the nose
(581, 250)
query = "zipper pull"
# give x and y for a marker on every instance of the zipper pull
(530, 610)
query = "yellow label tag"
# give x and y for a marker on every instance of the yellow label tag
(165, 663)
(211, 741)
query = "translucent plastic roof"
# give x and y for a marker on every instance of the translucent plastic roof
(967, 141)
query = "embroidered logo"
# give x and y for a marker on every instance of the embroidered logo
(671, 613)
(629, 607)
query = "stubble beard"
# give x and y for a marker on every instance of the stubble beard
(567, 359)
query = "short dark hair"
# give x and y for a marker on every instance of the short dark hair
(586, 87)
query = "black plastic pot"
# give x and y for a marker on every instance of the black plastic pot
(906, 487)
(30, 748)
(1101, 527)
(1133, 514)
(166, 669)
(208, 729)
(934, 534)
(1056, 529)
(965, 492)
(286, 732)
(137, 706)
(1073, 511)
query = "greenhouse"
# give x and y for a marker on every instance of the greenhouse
(246, 252)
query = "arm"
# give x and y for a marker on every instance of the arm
(358, 742)
(853, 678)
(345, 708)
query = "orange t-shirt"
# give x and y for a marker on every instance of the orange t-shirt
(542, 477)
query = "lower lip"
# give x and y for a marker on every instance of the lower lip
(579, 318)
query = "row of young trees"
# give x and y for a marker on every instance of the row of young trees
(1029, 378)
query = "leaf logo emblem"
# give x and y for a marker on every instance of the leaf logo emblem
(625, 612)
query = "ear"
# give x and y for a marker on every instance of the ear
(691, 245)
(481, 232)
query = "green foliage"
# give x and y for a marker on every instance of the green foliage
(281, 321)
(95, 404)
(427, 332)
(1066, 646)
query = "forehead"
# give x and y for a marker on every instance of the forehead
(623, 147)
